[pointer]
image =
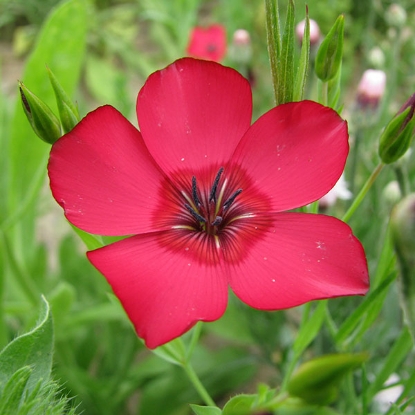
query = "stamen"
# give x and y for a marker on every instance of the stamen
(212, 195)
(217, 221)
(194, 213)
(231, 199)
(194, 192)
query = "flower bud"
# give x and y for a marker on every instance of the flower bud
(316, 381)
(397, 136)
(208, 43)
(396, 15)
(314, 32)
(43, 121)
(240, 50)
(68, 112)
(392, 193)
(376, 57)
(371, 88)
(329, 54)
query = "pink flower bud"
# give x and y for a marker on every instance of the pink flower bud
(241, 37)
(314, 32)
(240, 50)
(371, 88)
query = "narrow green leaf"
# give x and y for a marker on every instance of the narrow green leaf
(273, 41)
(32, 349)
(374, 298)
(310, 329)
(396, 356)
(301, 76)
(364, 315)
(285, 64)
(205, 410)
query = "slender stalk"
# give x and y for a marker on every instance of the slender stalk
(354, 158)
(359, 198)
(195, 337)
(201, 390)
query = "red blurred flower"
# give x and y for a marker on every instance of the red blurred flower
(208, 43)
(204, 192)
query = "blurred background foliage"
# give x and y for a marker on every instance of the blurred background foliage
(117, 44)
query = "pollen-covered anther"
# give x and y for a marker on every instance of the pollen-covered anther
(212, 195)
(196, 215)
(231, 199)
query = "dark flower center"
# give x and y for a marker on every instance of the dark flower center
(210, 214)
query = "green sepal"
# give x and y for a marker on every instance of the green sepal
(68, 111)
(397, 136)
(43, 121)
(13, 391)
(273, 41)
(286, 59)
(316, 381)
(330, 52)
(301, 76)
(205, 410)
(173, 352)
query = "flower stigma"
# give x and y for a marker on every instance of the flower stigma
(210, 216)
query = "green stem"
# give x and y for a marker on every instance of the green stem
(323, 92)
(402, 179)
(203, 393)
(359, 198)
(353, 160)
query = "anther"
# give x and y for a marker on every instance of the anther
(231, 199)
(212, 195)
(194, 192)
(217, 221)
(194, 213)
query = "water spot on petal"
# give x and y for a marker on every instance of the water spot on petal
(182, 159)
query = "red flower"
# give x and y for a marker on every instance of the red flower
(203, 192)
(208, 43)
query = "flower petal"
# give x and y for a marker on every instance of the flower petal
(193, 113)
(104, 177)
(296, 152)
(163, 282)
(298, 258)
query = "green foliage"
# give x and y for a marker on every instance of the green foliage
(97, 357)
(25, 368)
